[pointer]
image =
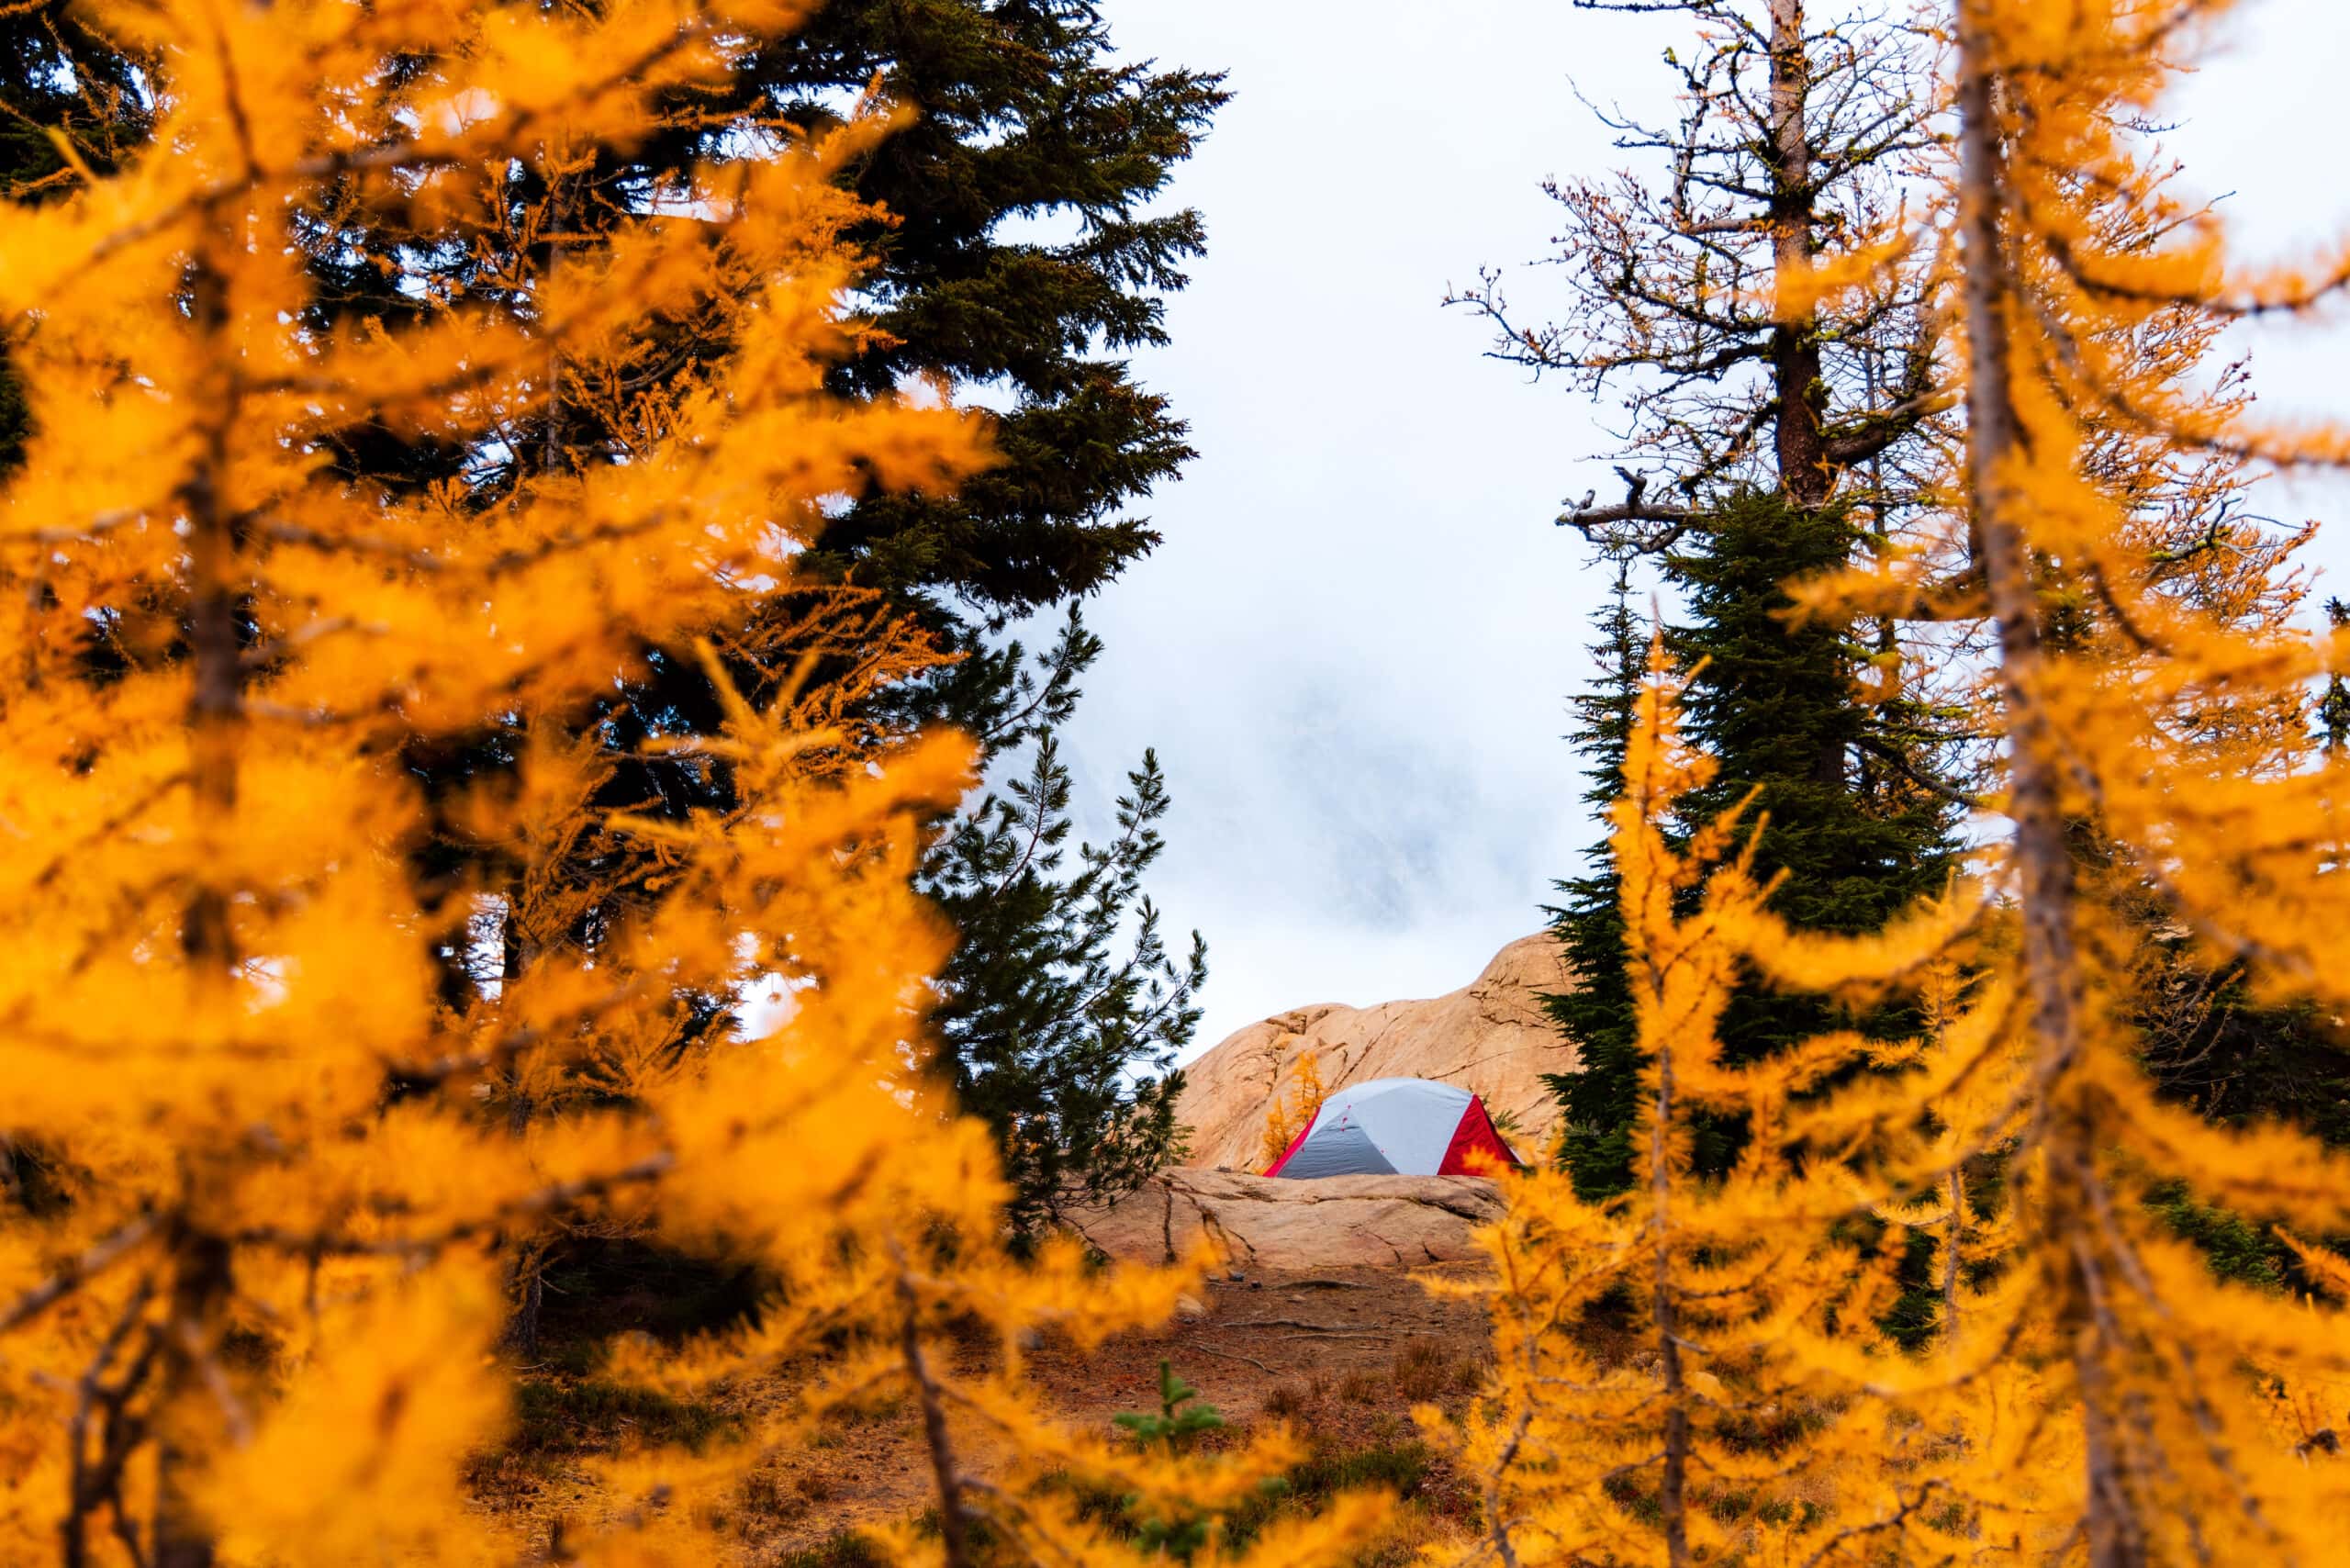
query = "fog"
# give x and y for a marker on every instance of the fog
(1354, 649)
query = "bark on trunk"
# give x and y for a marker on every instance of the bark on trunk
(200, 1262)
(1953, 1235)
(200, 1282)
(526, 1276)
(2042, 856)
(1672, 1486)
(954, 1538)
(1794, 344)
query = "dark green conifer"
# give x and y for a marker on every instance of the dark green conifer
(1061, 1011)
(1600, 1096)
(1024, 255)
(1774, 701)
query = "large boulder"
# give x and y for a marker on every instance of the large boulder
(1492, 1036)
(1258, 1223)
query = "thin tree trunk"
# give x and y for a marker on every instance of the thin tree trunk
(200, 1262)
(527, 1274)
(1888, 631)
(200, 1284)
(2042, 856)
(1796, 377)
(1953, 1232)
(945, 1475)
(1672, 1485)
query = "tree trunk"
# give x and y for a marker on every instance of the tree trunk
(1797, 383)
(1953, 1239)
(201, 1283)
(200, 1262)
(954, 1537)
(2042, 856)
(526, 1275)
(1671, 1485)
(1799, 386)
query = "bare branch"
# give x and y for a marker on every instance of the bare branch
(82, 1269)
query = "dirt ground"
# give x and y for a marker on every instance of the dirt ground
(1342, 1354)
(1347, 1328)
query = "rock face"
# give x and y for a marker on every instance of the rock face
(1490, 1036)
(1260, 1224)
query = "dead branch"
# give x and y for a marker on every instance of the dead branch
(68, 1278)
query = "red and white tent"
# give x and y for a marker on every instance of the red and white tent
(1395, 1126)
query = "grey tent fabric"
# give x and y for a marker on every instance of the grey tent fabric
(1338, 1151)
(1395, 1126)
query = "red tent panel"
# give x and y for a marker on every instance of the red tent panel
(1275, 1167)
(1475, 1141)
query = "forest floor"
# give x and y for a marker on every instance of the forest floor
(1342, 1355)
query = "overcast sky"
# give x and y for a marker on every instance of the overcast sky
(1354, 649)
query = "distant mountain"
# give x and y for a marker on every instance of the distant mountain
(1490, 1036)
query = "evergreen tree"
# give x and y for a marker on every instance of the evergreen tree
(1601, 1095)
(1062, 1009)
(1787, 424)
(1018, 259)
(1029, 123)
(1771, 697)
(1062, 1002)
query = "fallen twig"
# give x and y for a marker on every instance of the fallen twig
(1290, 1323)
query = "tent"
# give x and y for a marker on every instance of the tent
(1394, 1127)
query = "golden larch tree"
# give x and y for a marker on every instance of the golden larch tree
(2147, 686)
(1673, 1382)
(247, 1308)
(2176, 1462)
(1293, 1109)
(2094, 1392)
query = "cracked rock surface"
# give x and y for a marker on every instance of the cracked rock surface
(1260, 1223)
(1490, 1036)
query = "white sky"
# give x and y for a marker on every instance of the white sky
(1354, 649)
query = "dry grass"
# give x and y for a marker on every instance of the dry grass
(1292, 1400)
(1422, 1370)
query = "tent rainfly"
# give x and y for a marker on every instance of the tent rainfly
(1395, 1126)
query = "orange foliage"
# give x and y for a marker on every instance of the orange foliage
(2093, 1393)
(1292, 1113)
(251, 1322)
(1671, 1379)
